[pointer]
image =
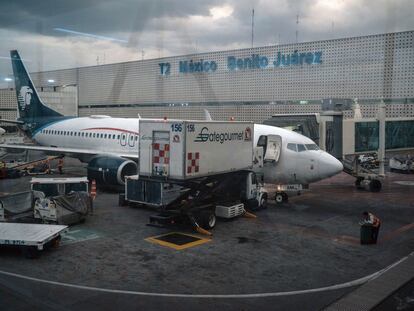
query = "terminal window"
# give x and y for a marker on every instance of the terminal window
(398, 134)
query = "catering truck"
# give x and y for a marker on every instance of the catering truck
(210, 163)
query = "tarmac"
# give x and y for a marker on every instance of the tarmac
(302, 255)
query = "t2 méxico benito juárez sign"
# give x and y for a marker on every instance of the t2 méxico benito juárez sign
(255, 61)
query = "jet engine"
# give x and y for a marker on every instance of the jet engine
(110, 170)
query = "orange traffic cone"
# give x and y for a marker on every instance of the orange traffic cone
(93, 189)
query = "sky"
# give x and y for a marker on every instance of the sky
(57, 34)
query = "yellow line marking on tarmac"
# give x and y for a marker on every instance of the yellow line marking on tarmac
(156, 240)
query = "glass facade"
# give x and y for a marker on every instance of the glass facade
(398, 134)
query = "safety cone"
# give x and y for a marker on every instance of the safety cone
(93, 189)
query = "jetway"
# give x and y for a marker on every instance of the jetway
(349, 139)
(325, 128)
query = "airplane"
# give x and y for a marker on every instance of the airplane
(110, 145)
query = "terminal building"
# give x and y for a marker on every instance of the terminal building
(247, 84)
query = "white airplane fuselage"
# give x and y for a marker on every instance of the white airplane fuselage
(103, 134)
(119, 136)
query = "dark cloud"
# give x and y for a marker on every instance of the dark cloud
(96, 16)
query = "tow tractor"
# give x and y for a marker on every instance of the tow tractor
(209, 165)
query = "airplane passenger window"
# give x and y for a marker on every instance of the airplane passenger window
(291, 147)
(105, 135)
(113, 136)
(312, 147)
(93, 135)
(119, 136)
(301, 147)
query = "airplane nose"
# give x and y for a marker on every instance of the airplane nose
(329, 165)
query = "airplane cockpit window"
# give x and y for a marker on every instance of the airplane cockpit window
(301, 148)
(312, 147)
(292, 147)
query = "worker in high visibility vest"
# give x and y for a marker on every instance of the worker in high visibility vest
(375, 222)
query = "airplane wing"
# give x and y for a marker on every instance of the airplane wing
(73, 152)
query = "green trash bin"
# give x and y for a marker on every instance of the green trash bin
(366, 234)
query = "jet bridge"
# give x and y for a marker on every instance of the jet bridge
(354, 140)
(325, 129)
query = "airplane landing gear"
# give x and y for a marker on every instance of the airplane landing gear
(281, 197)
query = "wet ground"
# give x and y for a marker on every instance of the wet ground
(310, 242)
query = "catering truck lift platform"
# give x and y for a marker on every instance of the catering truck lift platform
(30, 238)
(210, 163)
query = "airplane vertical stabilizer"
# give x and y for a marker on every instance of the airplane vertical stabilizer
(30, 106)
(31, 111)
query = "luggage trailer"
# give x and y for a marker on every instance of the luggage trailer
(30, 238)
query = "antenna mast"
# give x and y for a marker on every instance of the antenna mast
(297, 27)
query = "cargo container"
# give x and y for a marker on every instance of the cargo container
(183, 150)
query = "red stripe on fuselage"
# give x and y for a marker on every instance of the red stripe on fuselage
(110, 129)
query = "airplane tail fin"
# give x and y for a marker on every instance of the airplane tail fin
(30, 107)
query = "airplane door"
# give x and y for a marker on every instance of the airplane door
(273, 148)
